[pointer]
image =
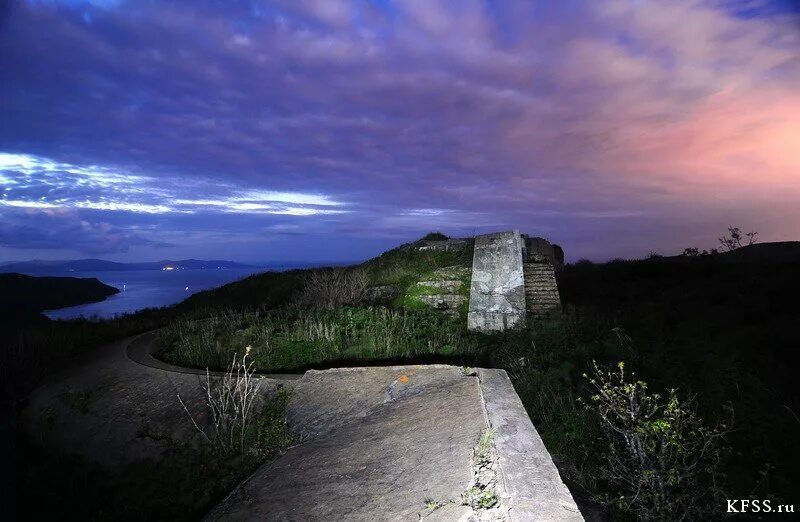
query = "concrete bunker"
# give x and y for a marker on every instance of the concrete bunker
(513, 276)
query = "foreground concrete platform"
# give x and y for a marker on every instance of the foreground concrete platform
(396, 443)
(375, 443)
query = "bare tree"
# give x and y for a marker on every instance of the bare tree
(734, 239)
(331, 287)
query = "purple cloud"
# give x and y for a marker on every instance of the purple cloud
(614, 128)
(34, 229)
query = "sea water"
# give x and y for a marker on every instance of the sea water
(147, 289)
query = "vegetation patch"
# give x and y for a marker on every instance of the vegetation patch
(407, 265)
(482, 495)
(293, 339)
(434, 236)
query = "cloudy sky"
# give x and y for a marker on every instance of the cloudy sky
(331, 130)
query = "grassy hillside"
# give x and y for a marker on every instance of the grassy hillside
(719, 328)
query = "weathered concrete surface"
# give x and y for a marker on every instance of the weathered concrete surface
(376, 443)
(530, 479)
(380, 443)
(538, 250)
(497, 293)
(447, 303)
(324, 400)
(443, 285)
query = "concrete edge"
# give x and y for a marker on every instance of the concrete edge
(397, 367)
(140, 350)
(527, 472)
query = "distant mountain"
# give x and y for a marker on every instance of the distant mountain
(24, 296)
(100, 265)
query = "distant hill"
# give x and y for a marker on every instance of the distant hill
(25, 296)
(99, 265)
(778, 252)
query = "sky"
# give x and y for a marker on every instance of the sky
(324, 130)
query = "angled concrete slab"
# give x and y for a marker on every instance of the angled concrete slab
(531, 481)
(381, 443)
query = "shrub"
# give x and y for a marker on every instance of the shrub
(434, 236)
(229, 401)
(331, 287)
(660, 460)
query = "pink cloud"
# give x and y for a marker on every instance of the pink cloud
(575, 118)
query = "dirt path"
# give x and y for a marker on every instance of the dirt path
(116, 408)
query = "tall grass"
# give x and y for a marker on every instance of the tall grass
(292, 338)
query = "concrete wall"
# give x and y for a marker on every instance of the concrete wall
(558, 252)
(538, 250)
(446, 245)
(497, 292)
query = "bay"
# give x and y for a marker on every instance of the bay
(147, 289)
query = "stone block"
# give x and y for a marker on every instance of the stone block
(443, 286)
(497, 291)
(448, 303)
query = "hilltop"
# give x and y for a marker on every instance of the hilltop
(778, 252)
(770, 253)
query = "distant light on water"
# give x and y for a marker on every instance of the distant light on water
(148, 289)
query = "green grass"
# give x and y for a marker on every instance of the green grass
(406, 265)
(36, 347)
(294, 339)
